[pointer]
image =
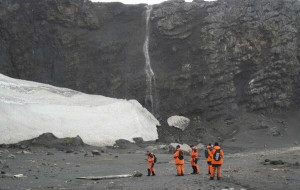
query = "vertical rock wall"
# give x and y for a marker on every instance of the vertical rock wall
(213, 58)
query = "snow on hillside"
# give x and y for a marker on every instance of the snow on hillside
(28, 109)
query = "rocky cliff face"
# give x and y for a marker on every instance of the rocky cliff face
(211, 60)
(94, 48)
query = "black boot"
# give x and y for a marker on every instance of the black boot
(193, 170)
(149, 172)
(153, 174)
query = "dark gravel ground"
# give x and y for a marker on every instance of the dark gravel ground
(59, 171)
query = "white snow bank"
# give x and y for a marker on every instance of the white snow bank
(28, 109)
(178, 122)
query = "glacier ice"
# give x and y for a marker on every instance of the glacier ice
(28, 109)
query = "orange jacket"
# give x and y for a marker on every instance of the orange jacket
(151, 159)
(213, 161)
(194, 154)
(176, 156)
(209, 158)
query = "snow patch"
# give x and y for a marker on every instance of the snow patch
(178, 122)
(28, 109)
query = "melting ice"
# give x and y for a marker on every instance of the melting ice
(28, 109)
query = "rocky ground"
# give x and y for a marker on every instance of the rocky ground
(273, 166)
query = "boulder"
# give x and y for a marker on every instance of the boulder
(138, 140)
(276, 162)
(96, 152)
(122, 144)
(200, 146)
(137, 174)
(185, 148)
(49, 140)
(158, 149)
(179, 122)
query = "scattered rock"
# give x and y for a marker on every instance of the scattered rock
(11, 156)
(122, 144)
(77, 165)
(138, 140)
(23, 152)
(296, 143)
(50, 153)
(273, 162)
(69, 151)
(96, 152)
(5, 166)
(275, 132)
(7, 176)
(200, 146)
(185, 148)
(276, 162)
(23, 147)
(137, 174)
(50, 141)
(259, 126)
(158, 148)
(104, 150)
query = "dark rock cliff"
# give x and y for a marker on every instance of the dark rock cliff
(211, 60)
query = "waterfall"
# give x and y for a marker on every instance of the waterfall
(150, 77)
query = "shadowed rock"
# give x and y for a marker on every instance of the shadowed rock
(48, 140)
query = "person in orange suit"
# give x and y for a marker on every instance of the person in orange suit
(194, 159)
(217, 161)
(179, 161)
(151, 161)
(209, 148)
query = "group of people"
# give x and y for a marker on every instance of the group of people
(214, 158)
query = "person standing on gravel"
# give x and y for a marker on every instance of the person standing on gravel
(217, 161)
(179, 161)
(151, 160)
(208, 149)
(194, 159)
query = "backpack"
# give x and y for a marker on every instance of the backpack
(217, 155)
(155, 159)
(180, 156)
(206, 153)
